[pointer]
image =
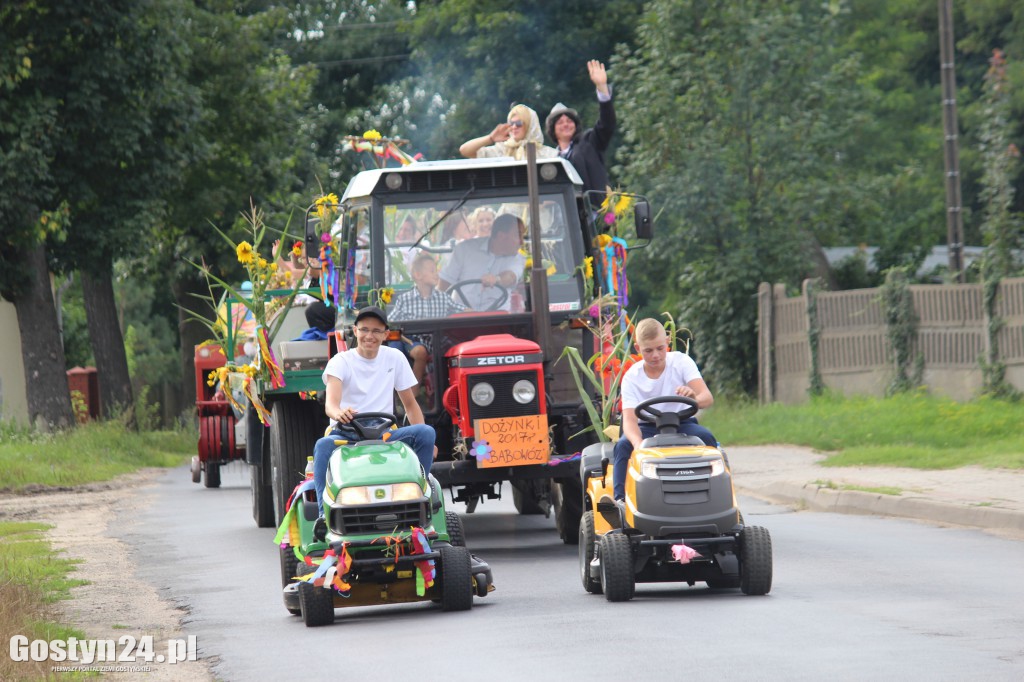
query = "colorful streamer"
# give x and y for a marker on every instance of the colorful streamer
(425, 568)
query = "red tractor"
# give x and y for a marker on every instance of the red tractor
(221, 440)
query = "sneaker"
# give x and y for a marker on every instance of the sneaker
(320, 529)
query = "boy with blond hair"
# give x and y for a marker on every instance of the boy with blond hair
(662, 373)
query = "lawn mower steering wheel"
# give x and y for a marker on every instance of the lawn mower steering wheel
(368, 432)
(457, 289)
(645, 412)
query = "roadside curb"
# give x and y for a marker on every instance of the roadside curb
(813, 497)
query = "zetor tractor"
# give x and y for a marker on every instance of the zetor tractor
(679, 521)
(503, 408)
(385, 536)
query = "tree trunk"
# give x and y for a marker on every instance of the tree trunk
(42, 351)
(191, 333)
(107, 341)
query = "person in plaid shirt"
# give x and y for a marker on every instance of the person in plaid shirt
(424, 301)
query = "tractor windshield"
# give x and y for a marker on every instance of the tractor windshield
(425, 247)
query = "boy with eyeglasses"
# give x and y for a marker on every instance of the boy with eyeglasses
(364, 379)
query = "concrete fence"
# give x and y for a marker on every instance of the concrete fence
(853, 348)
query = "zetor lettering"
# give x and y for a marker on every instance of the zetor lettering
(501, 360)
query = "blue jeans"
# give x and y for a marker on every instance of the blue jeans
(624, 449)
(419, 437)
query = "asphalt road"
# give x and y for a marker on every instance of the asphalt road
(854, 598)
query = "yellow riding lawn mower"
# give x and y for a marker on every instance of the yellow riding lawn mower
(679, 521)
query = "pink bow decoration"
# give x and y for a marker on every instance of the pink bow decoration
(683, 554)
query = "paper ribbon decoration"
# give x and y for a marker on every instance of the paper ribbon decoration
(268, 359)
(288, 532)
(385, 149)
(613, 260)
(424, 569)
(249, 389)
(555, 461)
(331, 275)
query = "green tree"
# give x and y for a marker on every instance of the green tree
(740, 115)
(1002, 226)
(28, 203)
(253, 140)
(484, 56)
(118, 68)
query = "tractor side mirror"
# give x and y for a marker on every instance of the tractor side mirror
(642, 220)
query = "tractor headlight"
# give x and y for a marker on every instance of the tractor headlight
(354, 495)
(403, 492)
(482, 394)
(524, 391)
(649, 468)
(370, 494)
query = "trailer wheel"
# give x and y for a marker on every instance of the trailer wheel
(261, 489)
(211, 478)
(257, 454)
(567, 499)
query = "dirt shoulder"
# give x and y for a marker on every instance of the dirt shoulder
(114, 603)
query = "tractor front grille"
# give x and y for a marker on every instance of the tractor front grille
(504, 405)
(377, 518)
(684, 483)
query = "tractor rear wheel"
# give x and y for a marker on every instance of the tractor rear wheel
(567, 499)
(295, 426)
(529, 496)
(456, 534)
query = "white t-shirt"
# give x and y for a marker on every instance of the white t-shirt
(637, 386)
(369, 385)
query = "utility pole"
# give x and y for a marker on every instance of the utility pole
(954, 213)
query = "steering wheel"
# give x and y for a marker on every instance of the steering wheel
(457, 289)
(370, 432)
(664, 420)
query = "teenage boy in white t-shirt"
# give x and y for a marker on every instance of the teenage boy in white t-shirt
(661, 373)
(364, 379)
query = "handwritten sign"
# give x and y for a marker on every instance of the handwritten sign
(513, 441)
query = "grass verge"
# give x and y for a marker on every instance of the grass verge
(32, 579)
(92, 452)
(910, 430)
(880, 490)
(32, 576)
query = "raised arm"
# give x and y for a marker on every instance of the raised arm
(605, 126)
(472, 147)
